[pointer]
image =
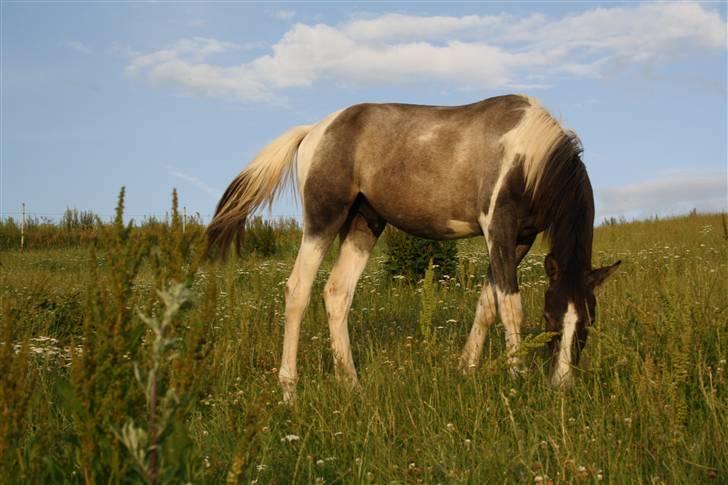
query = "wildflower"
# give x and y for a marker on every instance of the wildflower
(290, 438)
(320, 462)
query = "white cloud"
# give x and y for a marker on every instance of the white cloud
(78, 46)
(496, 51)
(672, 193)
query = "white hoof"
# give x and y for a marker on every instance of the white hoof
(288, 386)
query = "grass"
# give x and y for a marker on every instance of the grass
(649, 404)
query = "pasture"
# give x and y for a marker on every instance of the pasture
(105, 379)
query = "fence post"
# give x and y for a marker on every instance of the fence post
(22, 226)
(184, 219)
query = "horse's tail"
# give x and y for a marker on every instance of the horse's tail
(259, 183)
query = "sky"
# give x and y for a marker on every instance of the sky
(151, 96)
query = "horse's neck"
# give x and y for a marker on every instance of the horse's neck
(572, 236)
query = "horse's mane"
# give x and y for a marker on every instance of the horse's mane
(564, 204)
(556, 180)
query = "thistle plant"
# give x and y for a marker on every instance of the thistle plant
(144, 443)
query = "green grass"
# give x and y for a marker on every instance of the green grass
(648, 406)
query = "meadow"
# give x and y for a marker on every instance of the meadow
(125, 357)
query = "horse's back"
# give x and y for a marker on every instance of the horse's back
(425, 169)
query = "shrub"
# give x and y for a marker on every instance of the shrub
(260, 237)
(409, 256)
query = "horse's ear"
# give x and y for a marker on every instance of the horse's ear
(597, 276)
(552, 267)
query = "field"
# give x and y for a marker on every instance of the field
(110, 372)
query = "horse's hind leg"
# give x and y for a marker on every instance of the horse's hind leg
(485, 313)
(298, 290)
(358, 237)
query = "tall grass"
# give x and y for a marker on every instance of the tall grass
(88, 332)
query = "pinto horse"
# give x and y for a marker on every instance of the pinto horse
(502, 168)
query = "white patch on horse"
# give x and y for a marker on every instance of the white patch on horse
(484, 226)
(534, 137)
(307, 149)
(298, 292)
(511, 312)
(429, 135)
(562, 372)
(485, 222)
(485, 313)
(462, 228)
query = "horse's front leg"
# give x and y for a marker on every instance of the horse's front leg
(504, 261)
(485, 313)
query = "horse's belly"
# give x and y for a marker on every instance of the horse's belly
(431, 213)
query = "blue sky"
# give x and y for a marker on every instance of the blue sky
(160, 95)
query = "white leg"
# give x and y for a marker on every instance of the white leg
(511, 312)
(561, 375)
(298, 291)
(485, 313)
(339, 293)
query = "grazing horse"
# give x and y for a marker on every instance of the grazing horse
(503, 168)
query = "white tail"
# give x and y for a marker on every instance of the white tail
(259, 183)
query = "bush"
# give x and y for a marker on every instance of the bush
(260, 237)
(409, 256)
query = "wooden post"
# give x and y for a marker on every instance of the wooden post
(22, 226)
(184, 219)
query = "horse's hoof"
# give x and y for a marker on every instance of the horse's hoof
(467, 367)
(288, 386)
(517, 371)
(349, 381)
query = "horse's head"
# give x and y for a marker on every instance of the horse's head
(569, 310)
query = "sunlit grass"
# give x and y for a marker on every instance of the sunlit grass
(649, 404)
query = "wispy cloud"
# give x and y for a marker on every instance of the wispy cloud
(493, 51)
(78, 46)
(671, 193)
(194, 180)
(284, 14)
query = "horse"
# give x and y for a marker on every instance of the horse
(502, 168)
